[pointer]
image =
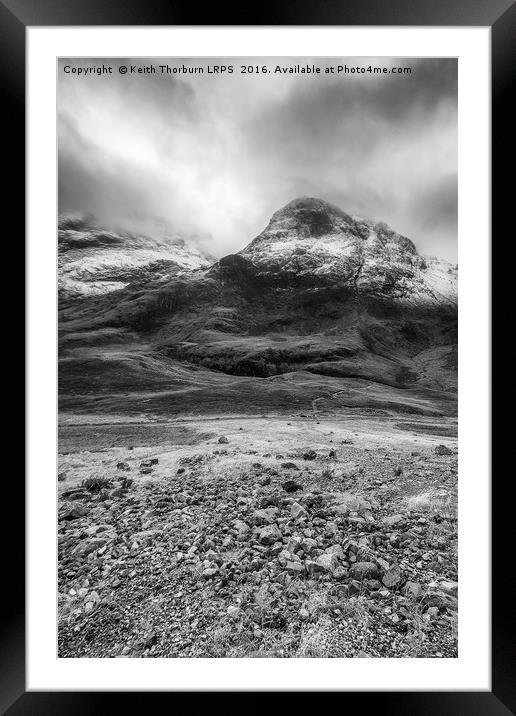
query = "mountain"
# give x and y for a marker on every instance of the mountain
(94, 261)
(311, 242)
(319, 306)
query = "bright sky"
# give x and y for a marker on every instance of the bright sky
(215, 156)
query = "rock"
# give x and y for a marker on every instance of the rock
(328, 562)
(270, 500)
(223, 440)
(372, 584)
(92, 545)
(266, 516)
(210, 572)
(150, 639)
(73, 512)
(312, 567)
(122, 466)
(337, 550)
(264, 480)
(398, 470)
(381, 563)
(346, 502)
(447, 586)
(295, 568)
(392, 520)
(291, 486)
(309, 455)
(340, 573)
(269, 535)
(308, 545)
(363, 570)
(358, 521)
(79, 495)
(325, 564)
(442, 450)
(297, 511)
(242, 528)
(294, 544)
(283, 557)
(354, 588)
(146, 470)
(434, 599)
(392, 576)
(289, 466)
(367, 515)
(118, 492)
(146, 536)
(61, 477)
(149, 463)
(233, 612)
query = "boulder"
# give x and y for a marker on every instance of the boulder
(442, 450)
(363, 570)
(269, 535)
(266, 516)
(291, 486)
(297, 511)
(392, 576)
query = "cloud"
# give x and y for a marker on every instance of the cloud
(215, 155)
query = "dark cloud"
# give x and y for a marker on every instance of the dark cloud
(217, 155)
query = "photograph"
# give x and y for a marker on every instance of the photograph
(257, 296)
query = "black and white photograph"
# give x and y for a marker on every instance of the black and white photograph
(257, 357)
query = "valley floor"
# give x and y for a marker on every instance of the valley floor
(257, 537)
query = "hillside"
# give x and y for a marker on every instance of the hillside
(95, 261)
(318, 297)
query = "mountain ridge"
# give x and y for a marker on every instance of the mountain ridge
(93, 260)
(317, 293)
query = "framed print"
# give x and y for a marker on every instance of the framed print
(258, 354)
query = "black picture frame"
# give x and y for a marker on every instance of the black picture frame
(15, 17)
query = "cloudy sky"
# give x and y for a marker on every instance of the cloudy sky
(214, 156)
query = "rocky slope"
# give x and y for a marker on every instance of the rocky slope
(94, 261)
(275, 539)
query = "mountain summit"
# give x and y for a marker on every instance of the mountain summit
(310, 241)
(308, 217)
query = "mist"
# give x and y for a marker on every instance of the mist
(212, 157)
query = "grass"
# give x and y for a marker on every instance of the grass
(96, 484)
(437, 502)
